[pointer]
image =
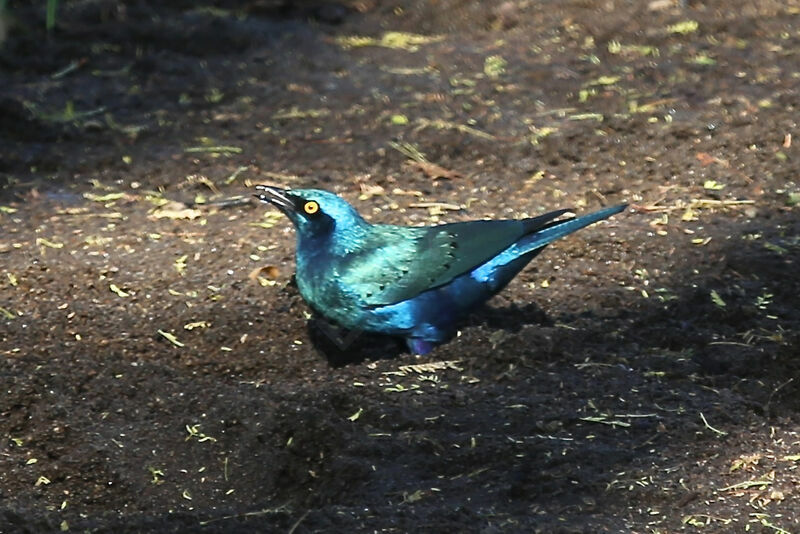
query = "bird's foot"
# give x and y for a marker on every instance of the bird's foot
(419, 346)
(341, 337)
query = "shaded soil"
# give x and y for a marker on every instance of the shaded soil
(157, 366)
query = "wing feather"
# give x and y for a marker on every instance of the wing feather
(398, 263)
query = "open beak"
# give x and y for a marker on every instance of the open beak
(277, 197)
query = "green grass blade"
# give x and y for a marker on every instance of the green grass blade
(50, 19)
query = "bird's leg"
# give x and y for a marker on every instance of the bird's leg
(419, 346)
(341, 337)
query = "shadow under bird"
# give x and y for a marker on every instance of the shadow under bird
(414, 282)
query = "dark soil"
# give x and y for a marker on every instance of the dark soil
(158, 371)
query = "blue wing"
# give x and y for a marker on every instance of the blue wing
(396, 264)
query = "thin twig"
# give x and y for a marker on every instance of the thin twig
(297, 523)
(720, 432)
(774, 391)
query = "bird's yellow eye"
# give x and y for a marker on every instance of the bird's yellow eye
(311, 207)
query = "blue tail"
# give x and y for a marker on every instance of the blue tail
(559, 229)
(499, 270)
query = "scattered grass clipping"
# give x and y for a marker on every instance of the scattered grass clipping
(410, 42)
(684, 27)
(171, 338)
(118, 291)
(494, 66)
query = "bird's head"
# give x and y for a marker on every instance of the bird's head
(314, 213)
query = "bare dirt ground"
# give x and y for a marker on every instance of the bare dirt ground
(157, 369)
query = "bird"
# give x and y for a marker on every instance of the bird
(417, 283)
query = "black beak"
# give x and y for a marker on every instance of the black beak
(277, 197)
